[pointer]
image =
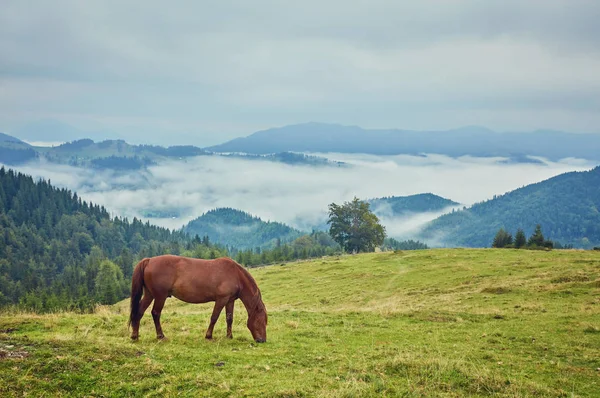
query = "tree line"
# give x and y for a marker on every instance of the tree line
(504, 239)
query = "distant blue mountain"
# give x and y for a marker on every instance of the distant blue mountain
(14, 151)
(472, 140)
(5, 138)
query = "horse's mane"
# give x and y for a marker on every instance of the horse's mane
(256, 302)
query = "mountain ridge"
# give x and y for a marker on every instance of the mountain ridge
(566, 206)
(464, 141)
(120, 155)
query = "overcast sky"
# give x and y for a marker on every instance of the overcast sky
(203, 72)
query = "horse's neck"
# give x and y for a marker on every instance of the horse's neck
(249, 294)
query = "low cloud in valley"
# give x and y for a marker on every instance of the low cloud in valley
(296, 195)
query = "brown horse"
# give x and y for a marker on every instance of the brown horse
(196, 281)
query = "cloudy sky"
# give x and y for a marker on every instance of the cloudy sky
(203, 72)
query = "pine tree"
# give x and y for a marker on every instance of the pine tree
(502, 239)
(520, 239)
(537, 239)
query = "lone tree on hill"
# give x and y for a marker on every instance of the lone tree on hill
(355, 227)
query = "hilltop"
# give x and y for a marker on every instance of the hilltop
(567, 207)
(5, 138)
(403, 205)
(14, 151)
(427, 323)
(236, 228)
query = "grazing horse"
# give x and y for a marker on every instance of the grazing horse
(196, 281)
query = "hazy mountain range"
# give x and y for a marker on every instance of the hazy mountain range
(472, 141)
(119, 155)
(322, 137)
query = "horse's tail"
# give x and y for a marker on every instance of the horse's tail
(137, 288)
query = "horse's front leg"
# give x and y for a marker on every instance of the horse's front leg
(229, 316)
(219, 304)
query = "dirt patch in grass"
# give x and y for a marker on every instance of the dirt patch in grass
(9, 350)
(571, 278)
(435, 317)
(595, 283)
(591, 329)
(4, 354)
(496, 290)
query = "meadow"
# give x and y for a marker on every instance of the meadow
(443, 322)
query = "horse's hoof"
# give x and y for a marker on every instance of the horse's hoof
(230, 337)
(162, 337)
(134, 338)
(208, 337)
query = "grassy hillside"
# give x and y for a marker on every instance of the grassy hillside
(451, 323)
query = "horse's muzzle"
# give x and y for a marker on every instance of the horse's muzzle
(261, 340)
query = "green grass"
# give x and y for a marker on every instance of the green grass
(449, 323)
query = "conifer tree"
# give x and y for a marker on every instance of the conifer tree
(520, 239)
(502, 239)
(537, 239)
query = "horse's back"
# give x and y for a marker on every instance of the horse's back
(190, 279)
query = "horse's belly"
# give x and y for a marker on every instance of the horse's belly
(190, 296)
(199, 292)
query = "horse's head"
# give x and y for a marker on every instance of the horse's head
(257, 323)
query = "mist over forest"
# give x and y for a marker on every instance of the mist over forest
(173, 192)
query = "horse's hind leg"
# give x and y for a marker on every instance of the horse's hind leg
(159, 303)
(219, 304)
(229, 317)
(144, 304)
